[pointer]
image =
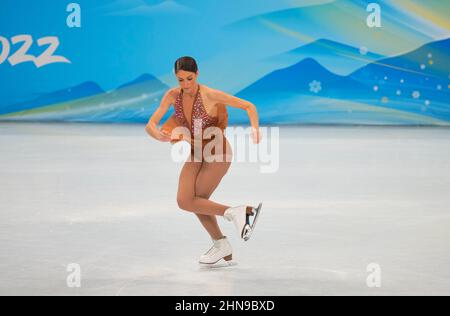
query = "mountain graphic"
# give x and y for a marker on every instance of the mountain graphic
(131, 102)
(82, 90)
(150, 81)
(334, 56)
(388, 91)
(410, 89)
(296, 79)
(422, 70)
(416, 81)
(432, 60)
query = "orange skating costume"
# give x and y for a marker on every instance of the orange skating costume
(199, 122)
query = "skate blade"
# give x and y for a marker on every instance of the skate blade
(246, 232)
(248, 229)
(257, 212)
(219, 264)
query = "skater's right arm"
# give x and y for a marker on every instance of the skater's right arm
(152, 126)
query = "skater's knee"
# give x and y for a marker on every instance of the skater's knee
(185, 203)
(204, 194)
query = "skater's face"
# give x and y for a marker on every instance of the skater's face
(187, 80)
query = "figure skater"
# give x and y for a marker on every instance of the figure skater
(198, 108)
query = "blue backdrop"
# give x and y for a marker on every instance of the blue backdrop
(312, 61)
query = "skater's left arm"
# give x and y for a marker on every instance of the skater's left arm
(228, 99)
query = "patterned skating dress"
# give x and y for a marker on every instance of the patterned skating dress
(200, 120)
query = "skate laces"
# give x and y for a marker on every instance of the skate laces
(215, 247)
(211, 250)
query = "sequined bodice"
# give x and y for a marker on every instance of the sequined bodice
(200, 119)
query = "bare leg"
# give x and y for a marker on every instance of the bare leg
(207, 181)
(186, 196)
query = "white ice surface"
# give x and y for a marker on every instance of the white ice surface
(103, 196)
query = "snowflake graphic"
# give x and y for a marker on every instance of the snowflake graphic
(402, 80)
(375, 88)
(416, 94)
(315, 86)
(423, 66)
(427, 102)
(363, 50)
(439, 87)
(399, 92)
(430, 55)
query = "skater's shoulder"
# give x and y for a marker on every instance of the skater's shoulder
(173, 93)
(210, 92)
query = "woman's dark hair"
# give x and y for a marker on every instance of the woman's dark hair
(186, 63)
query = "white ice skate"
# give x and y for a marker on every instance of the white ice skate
(238, 215)
(221, 249)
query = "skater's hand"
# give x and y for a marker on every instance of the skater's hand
(164, 136)
(256, 135)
